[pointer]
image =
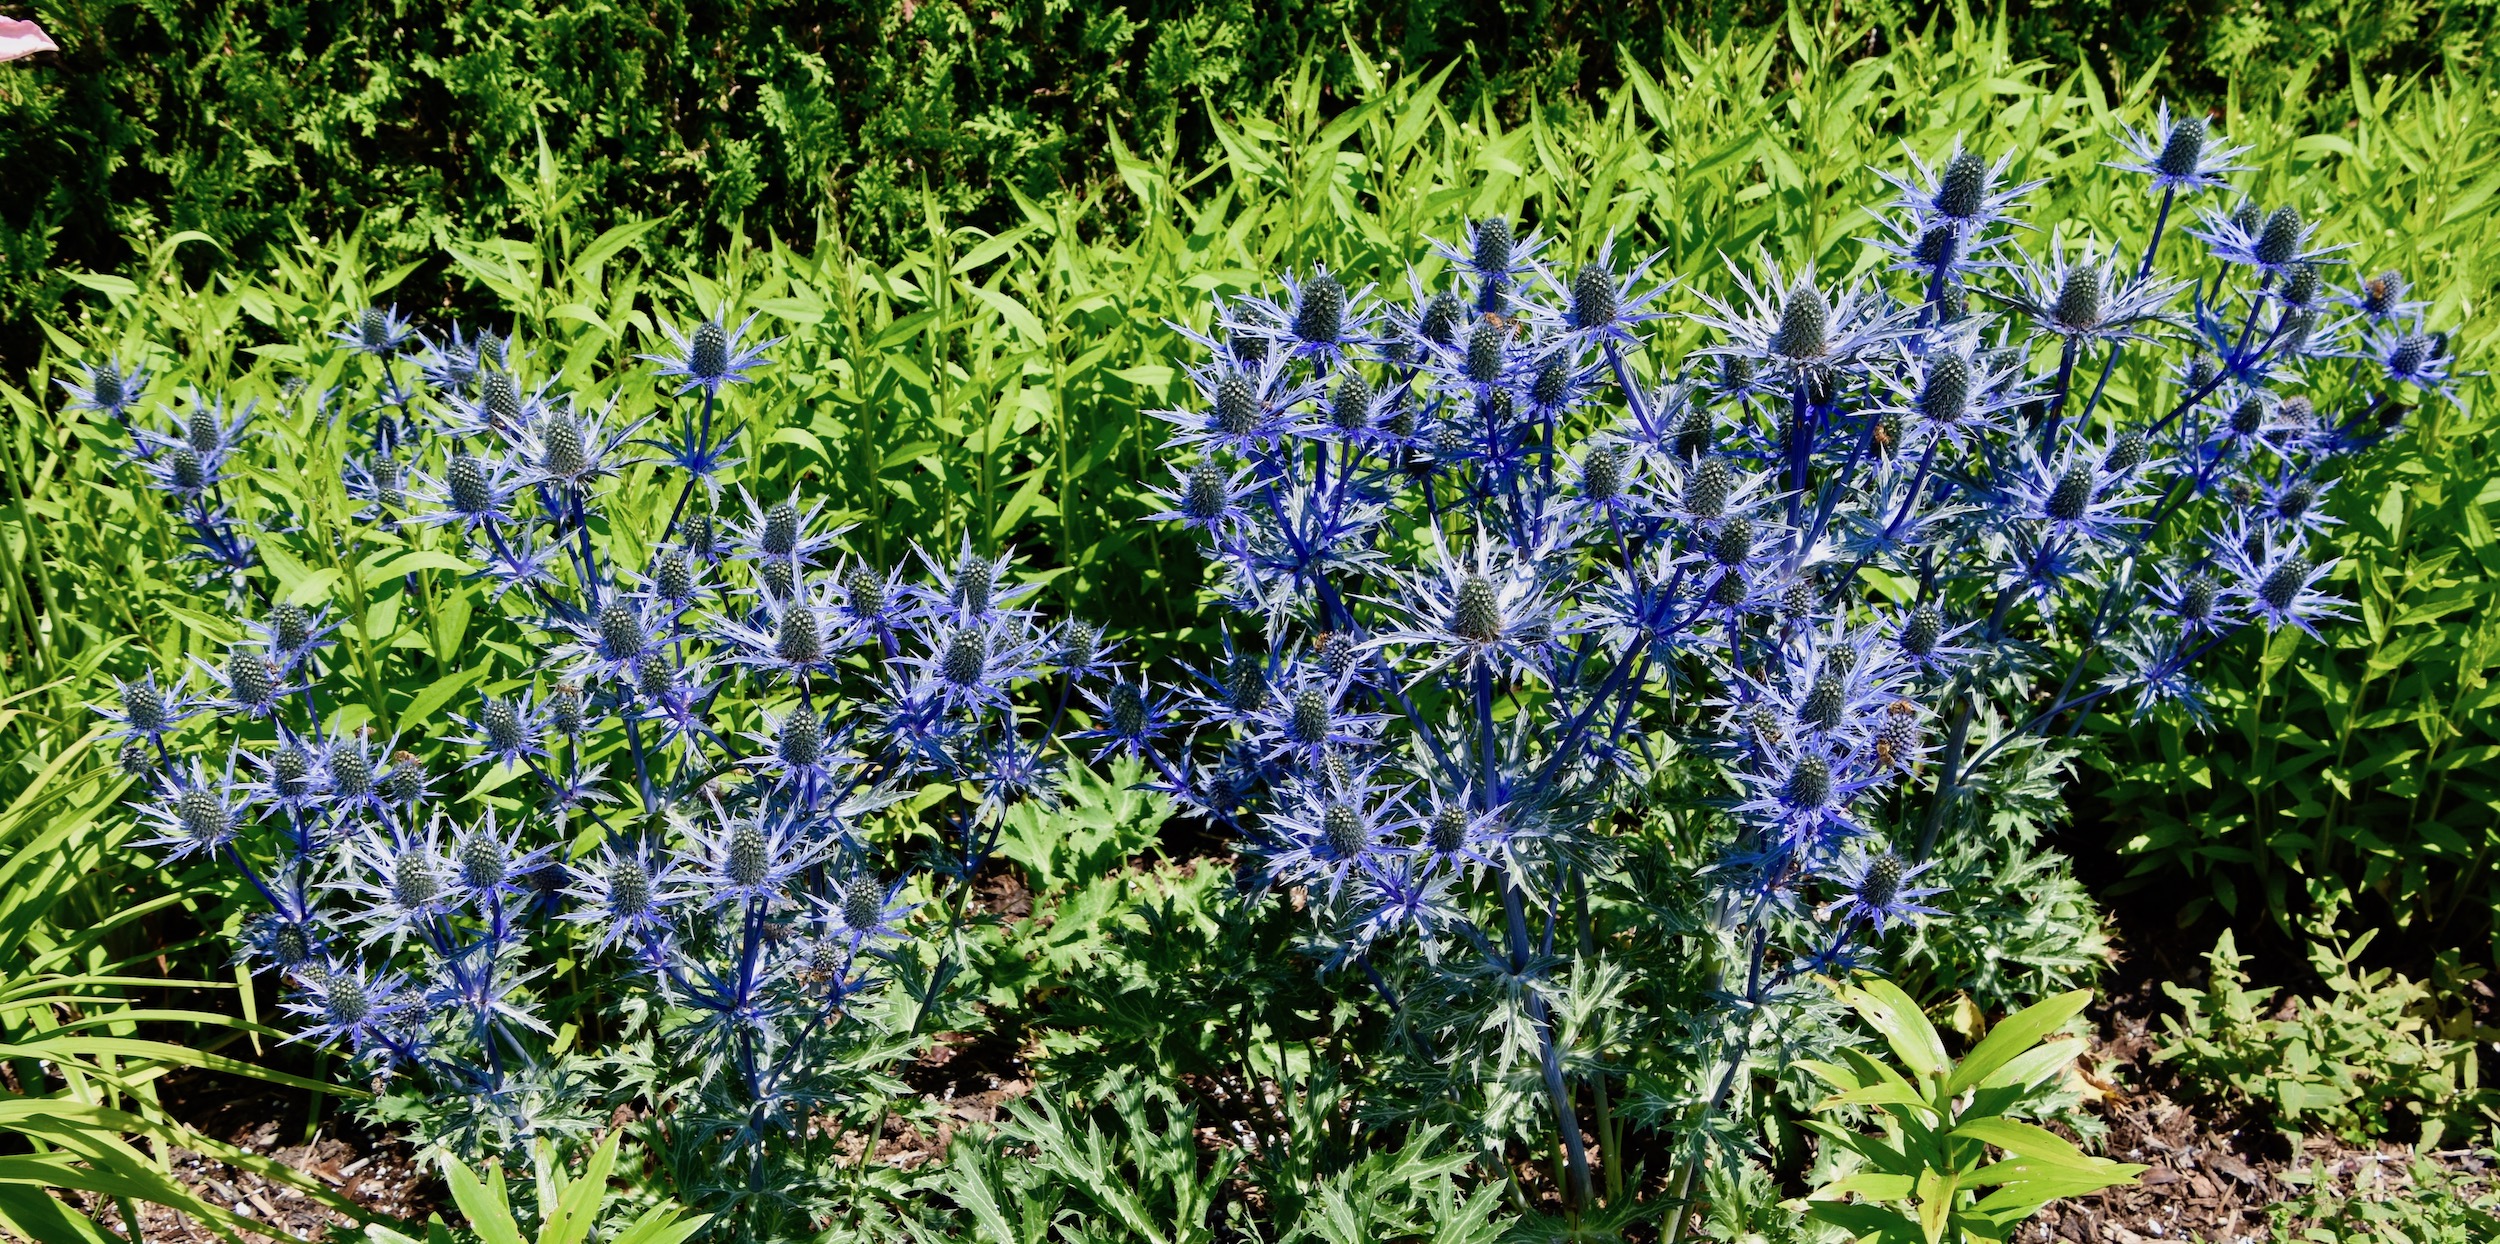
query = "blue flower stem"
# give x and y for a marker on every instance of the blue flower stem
(2110, 364)
(2152, 245)
(236, 855)
(2057, 401)
(1957, 736)
(1824, 504)
(703, 450)
(1566, 1120)
(578, 498)
(1485, 750)
(1609, 1143)
(1800, 448)
(1633, 398)
(1740, 1044)
(642, 765)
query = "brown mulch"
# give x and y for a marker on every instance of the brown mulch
(376, 1170)
(2218, 1166)
(2216, 1170)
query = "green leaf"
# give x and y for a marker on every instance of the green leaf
(1873, 1185)
(1014, 312)
(431, 700)
(2019, 1138)
(2015, 1034)
(29, 1213)
(489, 1215)
(1861, 1221)
(415, 560)
(2035, 1065)
(1887, 1094)
(660, 1225)
(1903, 1025)
(577, 1204)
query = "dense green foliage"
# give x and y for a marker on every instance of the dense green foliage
(976, 281)
(250, 121)
(2422, 1203)
(2377, 1053)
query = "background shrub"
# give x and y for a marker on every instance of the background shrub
(251, 121)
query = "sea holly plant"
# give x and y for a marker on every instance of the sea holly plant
(1951, 1162)
(668, 777)
(1496, 561)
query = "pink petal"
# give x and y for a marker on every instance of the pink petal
(23, 38)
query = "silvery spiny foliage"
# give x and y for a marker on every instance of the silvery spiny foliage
(1496, 558)
(682, 786)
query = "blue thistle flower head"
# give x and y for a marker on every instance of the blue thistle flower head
(1248, 407)
(1130, 718)
(1599, 305)
(2408, 354)
(292, 778)
(341, 1003)
(2272, 243)
(1877, 889)
(2381, 297)
(2181, 155)
(251, 683)
(451, 366)
(2083, 299)
(381, 481)
(195, 812)
(1307, 715)
(471, 490)
(626, 894)
(1008, 771)
(1206, 497)
(804, 755)
(749, 856)
(106, 387)
(497, 404)
(287, 940)
(1082, 652)
(974, 589)
(1949, 215)
(148, 711)
(398, 879)
(2072, 494)
(1332, 829)
(711, 356)
(191, 461)
(789, 636)
(1791, 326)
(2273, 581)
(974, 665)
(1490, 260)
(865, 911)
(377, 331)
(2194, 601)
(1318, 319)
(570, 447)
(1487, 609)
(487, 863)
(508, 730)
(290, 633)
